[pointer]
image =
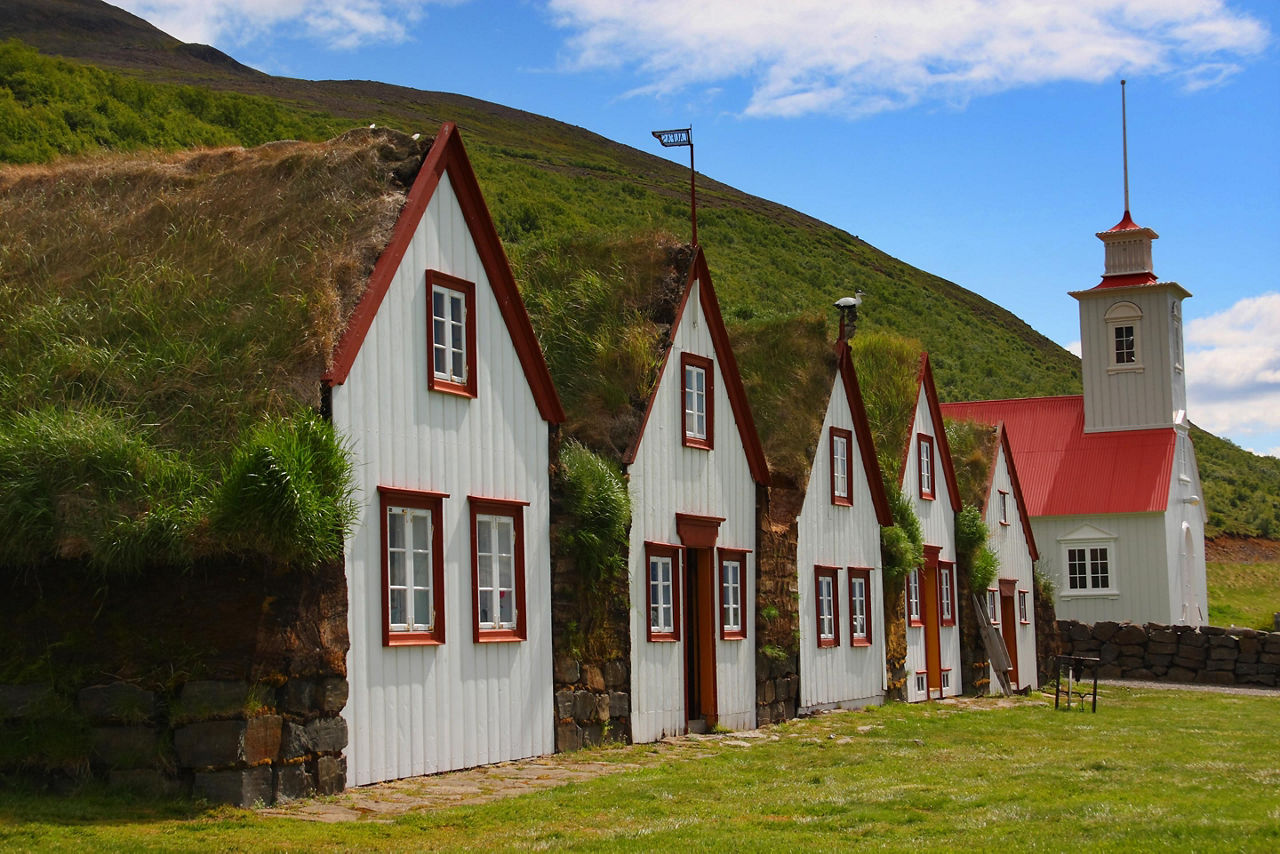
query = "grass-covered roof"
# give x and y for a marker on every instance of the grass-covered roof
(166, 319)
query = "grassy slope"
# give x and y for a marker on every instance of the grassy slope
(1197, 772)
(552, 187)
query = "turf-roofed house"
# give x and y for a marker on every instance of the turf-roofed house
(441, 388)
(1110, 476)
(277, 428)
(998, 550)
(694, 466)
(843, 635)
(933, 604)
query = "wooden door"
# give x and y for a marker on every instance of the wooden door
(932, 614)
(700, 637)
(1009, 626)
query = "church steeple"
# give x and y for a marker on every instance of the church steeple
(1131, 332)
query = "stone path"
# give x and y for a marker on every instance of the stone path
(384, 801)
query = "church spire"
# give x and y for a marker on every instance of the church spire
(1128, 245)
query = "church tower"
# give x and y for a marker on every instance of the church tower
(1131, 335)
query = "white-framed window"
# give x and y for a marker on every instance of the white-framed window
(925, 462)
(841, 442)
(947, 593)
(860, 606)
(451, 334)
(664, 588)
(827, 605)
(1024, 616)
(732, 625)
(697, 393)
(1004, 507)
(946, 678)
(993, 606)
(914, 617)
(1088, 568)
(412, 573)
(1124, 326)
(922, 682)
(497, 569)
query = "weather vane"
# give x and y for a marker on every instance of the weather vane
(675, 138)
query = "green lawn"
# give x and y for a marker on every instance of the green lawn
(1152, 770)
(1244, 594)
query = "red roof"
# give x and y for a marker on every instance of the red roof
(1065, 471)
(1125, 224)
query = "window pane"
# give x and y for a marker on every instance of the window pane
(421, 528)
(506, 606)
(395, 568)
(397, 601)
(484, 571)
(506, 531)
(422, 608)
(395, 528)
(484, 538)
(437, 305)
(506, 572)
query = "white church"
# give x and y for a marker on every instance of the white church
(1110, 476)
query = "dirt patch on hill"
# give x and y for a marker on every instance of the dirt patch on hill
(1242, 550)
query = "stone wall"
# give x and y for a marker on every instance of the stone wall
(777, 629)
(1208, 654)
(593, 703)
(224, 741)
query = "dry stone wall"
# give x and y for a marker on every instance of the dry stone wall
(1209, 654)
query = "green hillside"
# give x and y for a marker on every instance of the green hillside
(554, 189)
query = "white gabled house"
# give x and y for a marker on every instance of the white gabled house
(841, 606)
(1010, 601)
(693, 471)
(443, 393)
(932, 600)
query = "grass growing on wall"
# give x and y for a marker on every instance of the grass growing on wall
(1244, 594)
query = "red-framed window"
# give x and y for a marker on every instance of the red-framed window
(841, 442)
(412, 566)
(826, 584)
(860, 630)
(926, 466)
(497, 569)
(733, 591)
(451, 334)
(697, 393)
(1004, 507)
(947, 592)
(663, 561)
(993, 606)
(1024, 615)
(914, 611)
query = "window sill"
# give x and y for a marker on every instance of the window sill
(698, 444)
(498, 636)
(450, 387)
(1089, 594)
(733, 634)
(828, 643)
(413, 639)
(1004, 524)
(841, 502)
(663, 638)
(915, 624)
(1025, 622)
(861, 643)
(927, 496)
(1125, 369)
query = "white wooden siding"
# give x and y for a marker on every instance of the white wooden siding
(833, 535)
(1184, 520)
(667, 478)
(937, 524)
(1130, 399)
(1139, 568)
(1009, 543)
(422, 709)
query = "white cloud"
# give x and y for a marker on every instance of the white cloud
(1074, 347)
(1233, 370)
(334, 23)
(857, 57)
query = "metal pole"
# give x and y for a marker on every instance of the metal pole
(693, 193)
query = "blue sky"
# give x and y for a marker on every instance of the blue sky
(975, 139)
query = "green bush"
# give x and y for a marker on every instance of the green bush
(983, 569)
(597, 514)
(972, 553)
(287, 493)
(902, 544)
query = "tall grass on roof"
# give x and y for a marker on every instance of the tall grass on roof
(888, 371)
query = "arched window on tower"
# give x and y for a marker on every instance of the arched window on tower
(1124, 332)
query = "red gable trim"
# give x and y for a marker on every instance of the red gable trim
(1018, 500)
(866, 446)
(925, 381)
(447, 154)
(728, 370)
